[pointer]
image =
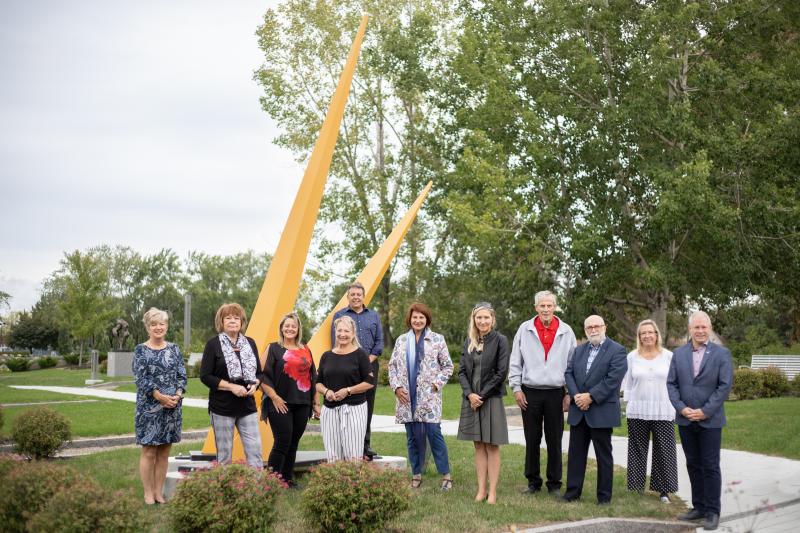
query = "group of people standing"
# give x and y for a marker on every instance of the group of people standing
(547, 371)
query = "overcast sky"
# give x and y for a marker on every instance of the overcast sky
(135, 123)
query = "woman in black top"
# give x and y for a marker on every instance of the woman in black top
(482, 373)
(343, 378)
(288, 385)
(230, 370)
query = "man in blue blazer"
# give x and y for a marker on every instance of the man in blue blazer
(700, 379)
(593, 377)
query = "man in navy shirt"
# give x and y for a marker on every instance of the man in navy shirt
(370, 336)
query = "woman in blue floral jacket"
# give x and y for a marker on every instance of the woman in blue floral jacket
(160, 384)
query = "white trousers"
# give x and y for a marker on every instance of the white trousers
(343, 430)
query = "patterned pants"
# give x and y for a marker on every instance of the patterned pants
(664, 470)
(343, 430)
(248, 431)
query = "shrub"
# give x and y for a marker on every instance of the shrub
(103, 367)
(28, 488)
(47, 362)
(8, 462)
(71, 358)
(4, 369)
(225, 498)
(747, 384)
(775, 382)
(383, 375)
(86, 508)
(40, 432)
(193, 371)
(18, 364)
(365, 496)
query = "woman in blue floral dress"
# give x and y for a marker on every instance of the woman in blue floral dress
(160, 384)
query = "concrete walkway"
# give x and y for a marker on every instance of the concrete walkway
(751, 482)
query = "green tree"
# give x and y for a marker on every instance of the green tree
(86, 306)
(614, 140)
(31, 332)
(382, 160)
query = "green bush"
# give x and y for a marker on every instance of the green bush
(794, 386)
(4, 369)
(193, 371)
(775, 383)
(103, 367)
(225, 498)
(18, 364)
(71, 358)
(383, 375)
(454, 376)
(86, 508)
(39, 432)
(47, 362)
(8, 462)
(747, 384)
(27, 489)
(365, 496)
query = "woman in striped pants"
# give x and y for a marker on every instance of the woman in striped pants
(343, 377)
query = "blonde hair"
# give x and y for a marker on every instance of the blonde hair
(472, 330)
(154, 315)
(299, 339)
(232, 309)
(648, 322)
(348, 320)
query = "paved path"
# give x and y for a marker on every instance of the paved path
(751, 481)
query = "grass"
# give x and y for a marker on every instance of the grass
(763, 426)
(55, 377)
(431, 510)
(105, 417)
(451, 401)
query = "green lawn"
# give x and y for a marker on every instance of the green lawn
(104, 417)
(194, 388)
(60, 377)
(769, 426)
(432, 510)
(451, 401)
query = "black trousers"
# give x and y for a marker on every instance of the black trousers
(701, 446)
(579, 438)
(371, 402)
(544, 410)
(286, 430)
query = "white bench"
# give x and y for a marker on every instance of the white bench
(788, 364)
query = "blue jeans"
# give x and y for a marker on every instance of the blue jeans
(438, 449)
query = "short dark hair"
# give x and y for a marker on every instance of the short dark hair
(356, 285)
(418, 307)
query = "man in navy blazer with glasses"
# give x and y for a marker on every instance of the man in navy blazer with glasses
(594, 375)
(700, 379)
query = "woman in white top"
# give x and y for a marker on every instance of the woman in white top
(649, 411)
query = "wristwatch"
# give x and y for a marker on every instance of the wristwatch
(349, 391)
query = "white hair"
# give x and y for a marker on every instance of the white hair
(699, 314)
(544, 294)
(153, 316)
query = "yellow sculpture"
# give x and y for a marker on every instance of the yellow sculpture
(279, 292)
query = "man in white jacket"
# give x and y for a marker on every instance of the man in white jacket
(539, 355)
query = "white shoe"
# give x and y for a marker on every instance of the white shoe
(665, 499)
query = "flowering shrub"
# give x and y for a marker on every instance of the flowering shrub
(775, 382)
(354, 496)
(225, 498)
(27, 488)
(86, 507)
(747, 384)
(40, 432)
(8, 462)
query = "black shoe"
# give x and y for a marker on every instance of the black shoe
(569, 499)
(554, 492)
(369, 452)
(604, 502)
(692, 515)
(530, 489)
(712, 522)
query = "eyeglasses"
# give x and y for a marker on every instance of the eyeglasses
(595, 326)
